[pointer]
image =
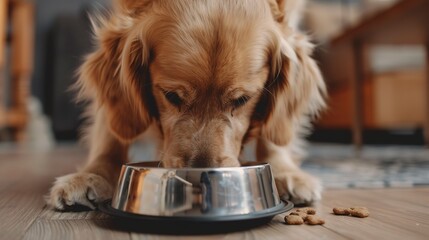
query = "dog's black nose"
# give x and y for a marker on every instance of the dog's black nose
(201, 160)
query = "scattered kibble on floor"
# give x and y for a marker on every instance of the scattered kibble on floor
(308, 215)
(304, 215)
(361, 212)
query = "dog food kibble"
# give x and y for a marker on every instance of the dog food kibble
(314, 220)
(303, 215)
(361, 212)
(341, 211)
(308, 215)
(309, 211)
(294, 220)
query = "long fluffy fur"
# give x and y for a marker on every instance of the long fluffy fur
(236, 69)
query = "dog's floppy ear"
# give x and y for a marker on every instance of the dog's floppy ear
(277, 7)
(287, 12)
(294, 91)
(117, 74)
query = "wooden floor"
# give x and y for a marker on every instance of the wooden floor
(25, 177)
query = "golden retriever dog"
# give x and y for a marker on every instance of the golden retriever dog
(209, 75)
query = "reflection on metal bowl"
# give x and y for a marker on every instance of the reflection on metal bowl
(145, 189)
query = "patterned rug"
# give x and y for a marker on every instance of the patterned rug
(339, 167)
(376, 167)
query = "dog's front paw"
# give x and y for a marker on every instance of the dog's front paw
(78, 189)
(299, 187)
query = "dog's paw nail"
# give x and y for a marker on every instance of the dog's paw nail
(68, 203)
(91, 195)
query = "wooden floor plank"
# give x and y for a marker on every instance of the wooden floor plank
(384, 222)
(418, 197)
(136, 236)
(279, 230)
(73, 229)
(50, 214)
(17, 213)
(25, 178)
(276, 229)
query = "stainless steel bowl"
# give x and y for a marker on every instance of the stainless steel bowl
(203, 193)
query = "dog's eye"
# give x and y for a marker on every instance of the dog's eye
(173, 98)
(238, 102)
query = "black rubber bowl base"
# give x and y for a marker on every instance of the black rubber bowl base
(176, 228)
(128, 222)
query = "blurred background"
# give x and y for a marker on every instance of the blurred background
(373, 54)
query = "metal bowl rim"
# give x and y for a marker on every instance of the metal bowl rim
(140, 166)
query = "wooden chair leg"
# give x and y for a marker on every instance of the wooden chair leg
(3, 23)
(357, 82)
(22, 62)
(19, 113)
(426, 124)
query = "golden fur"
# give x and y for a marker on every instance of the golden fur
(208, 75)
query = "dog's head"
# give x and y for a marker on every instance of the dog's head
(209, 73)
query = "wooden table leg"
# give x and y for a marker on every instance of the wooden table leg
(357, 88)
